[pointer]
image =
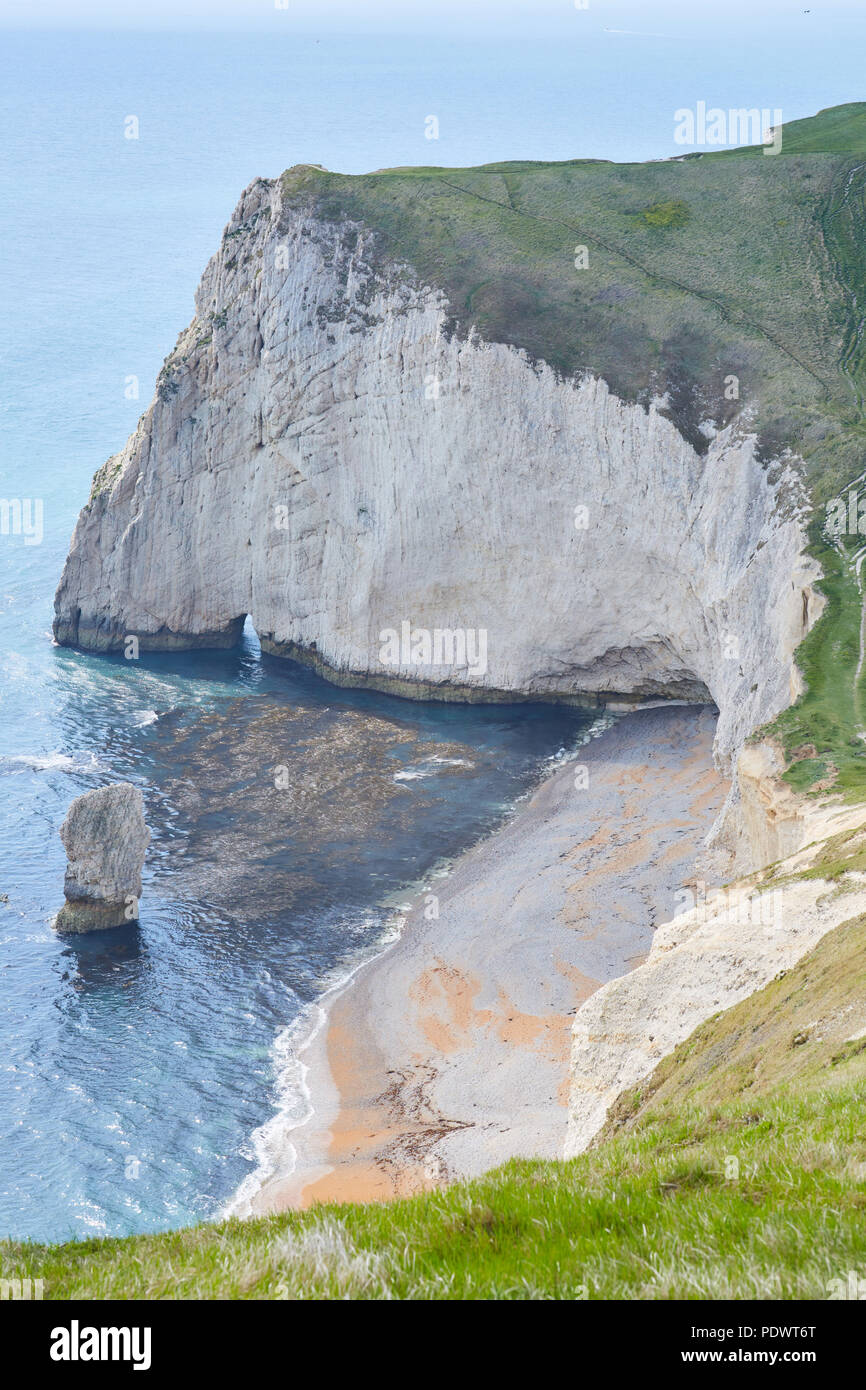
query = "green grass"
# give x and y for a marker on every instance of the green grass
(837, 129)
(830, 714)
(738, 1171)
(727, 274)
(673, 213)
(842, 854)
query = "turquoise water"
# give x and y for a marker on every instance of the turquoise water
(135, 1067)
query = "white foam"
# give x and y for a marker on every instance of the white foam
(142, 718)
(53, 762)
(429, 767)
(270, 1144)
(599, 726)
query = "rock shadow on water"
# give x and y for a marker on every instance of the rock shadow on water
(98, 962)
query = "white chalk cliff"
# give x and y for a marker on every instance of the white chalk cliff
(324, 456)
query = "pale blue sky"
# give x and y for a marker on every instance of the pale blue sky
(496, 17)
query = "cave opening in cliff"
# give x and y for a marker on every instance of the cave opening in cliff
(249, 642)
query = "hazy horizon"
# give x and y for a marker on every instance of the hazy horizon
(620, 19)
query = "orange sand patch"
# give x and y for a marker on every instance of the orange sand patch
(361, 1135)
(354, 1180)
(445, 990)
(547, 1034)
(450, 1021)
(584, 985)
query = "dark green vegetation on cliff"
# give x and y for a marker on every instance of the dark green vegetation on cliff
(826, 722)
(713, 266)
(737, 1171)
(698, 269)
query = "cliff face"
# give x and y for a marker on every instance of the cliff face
(710, 957)
(326, 457)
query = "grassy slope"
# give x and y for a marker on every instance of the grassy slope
(840, 129)
(699, 268)
(657, 1210)
(830, 716)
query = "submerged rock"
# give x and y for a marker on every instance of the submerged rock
(105, 839)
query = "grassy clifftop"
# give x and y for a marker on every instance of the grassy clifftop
(697, 270)
(738, 1170)
(836, 130)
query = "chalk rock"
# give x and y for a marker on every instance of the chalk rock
(293, 469)
(326, 457)
(105, 839)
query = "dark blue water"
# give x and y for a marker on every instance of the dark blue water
(135, 1066)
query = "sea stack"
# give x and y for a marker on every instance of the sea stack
(105, 839)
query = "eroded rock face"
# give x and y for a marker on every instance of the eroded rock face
(105, 839)
(326, 457)
(702, 962)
